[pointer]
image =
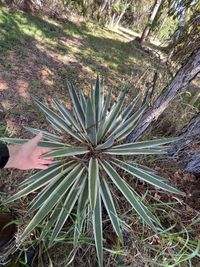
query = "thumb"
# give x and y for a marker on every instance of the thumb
(36, 139)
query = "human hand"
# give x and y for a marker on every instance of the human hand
(28, 156)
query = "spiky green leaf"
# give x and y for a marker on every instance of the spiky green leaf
(114, 111)
(66, 152)
(45, 178)
(124, 129)
(99, 99)
(53, 199)
(41, 173)
(93, 181)
(51, 221)
(55, 119)
(46, 135)
(135, 151)
(107, 144)
(38, 201)
(91, 123)
(70, 120)
(129, 195)
(83, 101)
(147, 177)
(106, 105)
(81, 212)
(77, 106)
(116, 124)
(110, 207)
(147, 144)
(148, 170)
(48, 144)
(68, 205)
(97, 229)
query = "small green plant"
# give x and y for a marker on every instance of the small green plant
(83, 178)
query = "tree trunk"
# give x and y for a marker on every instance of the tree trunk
(188, 135)
(183, 77)
(188, 156)
(193, 163)
(122, 14)
(102, 6)
(152, 16)
(31, 6)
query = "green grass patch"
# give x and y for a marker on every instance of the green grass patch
(20, 28)
(94, 48)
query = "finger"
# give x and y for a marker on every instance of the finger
(41, 167)
(34, 141)
(45, 161)
(45, 150)
(47, 158)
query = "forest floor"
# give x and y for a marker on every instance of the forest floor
(37, 55)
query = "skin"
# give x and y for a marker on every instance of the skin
(28, 156)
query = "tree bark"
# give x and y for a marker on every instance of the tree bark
(183, 77)
(152, 16)
(102, 6)
(31, 6)
(122, 14)
(188, 135)
(193, 163)
(188, 156)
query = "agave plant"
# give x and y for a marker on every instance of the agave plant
(83, 178)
